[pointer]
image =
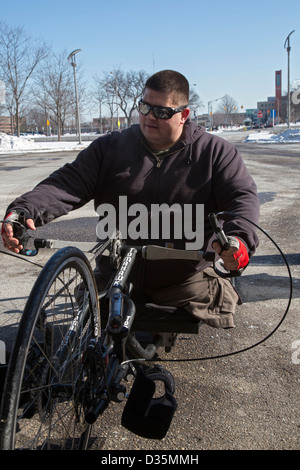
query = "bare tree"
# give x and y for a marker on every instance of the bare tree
(195, 103)
(129, 87)
(2, 94)
(227, 105)
(104, 94)
(36, 120)
(19, 58)
(119, 90)
(54, 91)
(98, 96)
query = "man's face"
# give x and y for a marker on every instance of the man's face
(161, 134)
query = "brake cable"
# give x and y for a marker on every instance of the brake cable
(239, 351)
(23, 258)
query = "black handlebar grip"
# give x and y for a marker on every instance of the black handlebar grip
(21, 232)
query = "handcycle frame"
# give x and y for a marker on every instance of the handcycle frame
(113, 356)
(119, 312)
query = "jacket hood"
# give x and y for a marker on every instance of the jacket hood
(192, 132)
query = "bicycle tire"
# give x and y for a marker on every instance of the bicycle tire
(43, 404)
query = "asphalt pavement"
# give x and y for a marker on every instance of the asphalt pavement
(243, 401)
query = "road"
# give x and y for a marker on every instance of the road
(244, 401)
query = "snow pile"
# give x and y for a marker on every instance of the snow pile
(13, 144)
(288, 136)
(9, 142)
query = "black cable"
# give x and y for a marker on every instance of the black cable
(274, 329)
(15, 255)
(219, 356)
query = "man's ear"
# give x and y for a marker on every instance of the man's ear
(185, 114)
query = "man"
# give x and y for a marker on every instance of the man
(166, 159)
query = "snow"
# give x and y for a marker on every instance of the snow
(12, 144)
(287, 136)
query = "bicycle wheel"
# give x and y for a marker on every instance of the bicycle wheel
(44, 397)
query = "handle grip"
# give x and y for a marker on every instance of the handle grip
(21, 233)
(225, 245)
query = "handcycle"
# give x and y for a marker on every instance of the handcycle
(76, 347)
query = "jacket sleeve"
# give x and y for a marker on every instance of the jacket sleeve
(68, 188)
(235, 191)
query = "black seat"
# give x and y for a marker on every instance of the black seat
(165, 319)
(159, 319)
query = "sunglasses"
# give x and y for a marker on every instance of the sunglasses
(160, 112)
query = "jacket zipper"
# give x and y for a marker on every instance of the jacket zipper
(141, 281)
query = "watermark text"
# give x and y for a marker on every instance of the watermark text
(296, 97)
(161, 222)
(296, 353)
(2, 352)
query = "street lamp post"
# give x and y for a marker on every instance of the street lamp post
(72, 58)
(288, 48)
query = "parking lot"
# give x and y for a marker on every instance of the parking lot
(243, 401)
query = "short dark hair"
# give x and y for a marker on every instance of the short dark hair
(170, 81)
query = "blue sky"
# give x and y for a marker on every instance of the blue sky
(231, 46)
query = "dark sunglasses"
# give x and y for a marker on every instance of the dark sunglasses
(160, 112)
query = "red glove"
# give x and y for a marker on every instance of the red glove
(241, 255)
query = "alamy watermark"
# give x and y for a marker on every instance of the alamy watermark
(296, 97)
(162, 222)
(296, 353)
(2, 352)
(2, 92)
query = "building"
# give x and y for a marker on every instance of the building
(267, 108)
(108, 124)
(278, 96)
(273, 106)
(5, 124)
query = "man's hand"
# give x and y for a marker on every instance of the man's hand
(236, 257)
(7, 233)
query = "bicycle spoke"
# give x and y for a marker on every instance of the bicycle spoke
(49, 409)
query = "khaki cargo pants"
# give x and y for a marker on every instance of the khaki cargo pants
(204, 295)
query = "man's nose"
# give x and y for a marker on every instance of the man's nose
(151, 115)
